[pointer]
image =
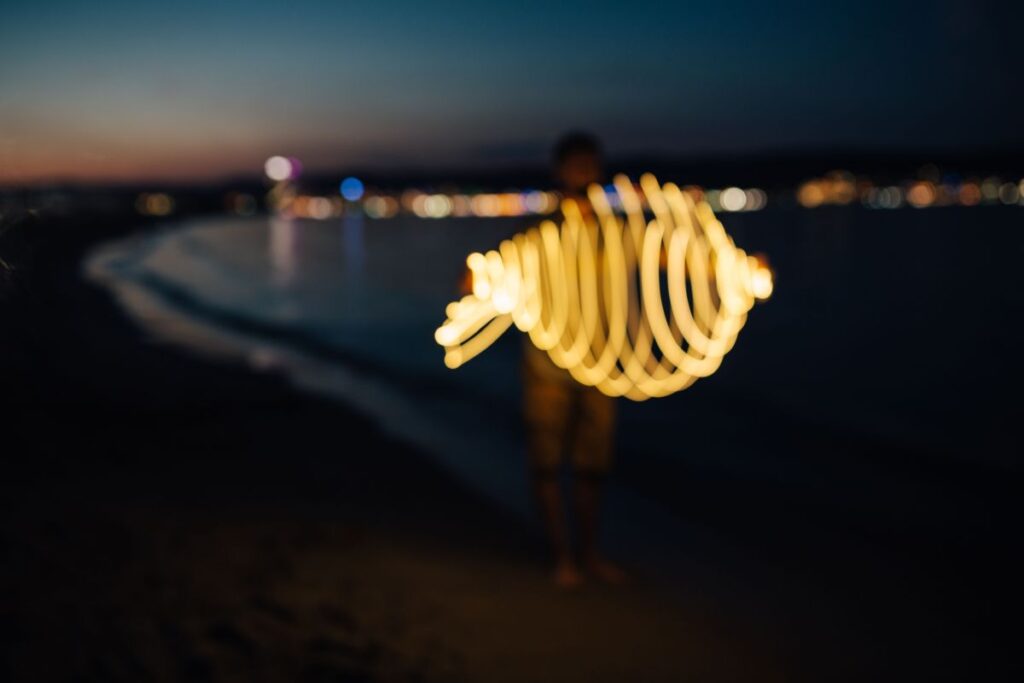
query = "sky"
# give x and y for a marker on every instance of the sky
(193, 90)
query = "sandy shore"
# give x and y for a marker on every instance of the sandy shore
(261, 551)
(166, 518)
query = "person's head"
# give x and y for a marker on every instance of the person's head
(577, 162)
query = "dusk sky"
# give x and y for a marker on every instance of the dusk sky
(137, 89)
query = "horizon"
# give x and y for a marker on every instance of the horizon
(767, 163)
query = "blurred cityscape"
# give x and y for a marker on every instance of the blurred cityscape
(283, 189)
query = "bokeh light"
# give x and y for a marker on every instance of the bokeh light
(352, 189)
(154, 204)
(278, 168)
(921, 194)
(733, 199)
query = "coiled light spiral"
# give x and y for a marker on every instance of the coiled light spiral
(592, 292)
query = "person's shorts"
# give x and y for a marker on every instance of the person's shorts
(565, 418)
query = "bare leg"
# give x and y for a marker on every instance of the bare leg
(549, 498)
(588, 503)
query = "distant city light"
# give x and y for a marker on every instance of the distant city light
(319, 208)
(921, 194)
(970, 194)
(352, 189)
(1008, 193)
(278, 168)
(990, 190)
(810, 195)
(756, 199)
(437, 206)
(312, 206)
(461, 206)
(712, 197)
(891, 197)
(835, 188)
(534, 201)
(154, 204)
(733, 199)
(485, 205)
(419, 205)
(381, 207)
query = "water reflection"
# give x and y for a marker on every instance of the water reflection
(284, 247)
(353, 246)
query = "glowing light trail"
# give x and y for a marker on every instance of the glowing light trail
(591, 292)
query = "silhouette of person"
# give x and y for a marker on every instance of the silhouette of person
(565, 420)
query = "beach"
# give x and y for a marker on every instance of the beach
(174, 517)
(274, 278)
(172, 520)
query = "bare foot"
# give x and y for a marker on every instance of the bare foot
(605, 571)
(567, 576)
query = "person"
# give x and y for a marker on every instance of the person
(566, 420)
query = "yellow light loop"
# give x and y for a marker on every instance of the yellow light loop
(591, 292)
